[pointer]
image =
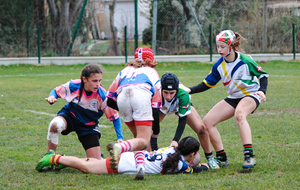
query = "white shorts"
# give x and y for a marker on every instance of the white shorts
(134, 103)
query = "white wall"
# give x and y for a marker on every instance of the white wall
(124, 16)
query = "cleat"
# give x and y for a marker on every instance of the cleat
(249, 162)
(139, 174)
(114, 155)
(213, 163)
(44, 163)
(223, 164)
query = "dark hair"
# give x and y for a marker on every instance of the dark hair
(186, 146)
(86, 72)
(169, 81)
(236, 44)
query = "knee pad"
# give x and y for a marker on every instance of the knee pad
(60, 126)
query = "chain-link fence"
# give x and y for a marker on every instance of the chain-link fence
(182, 26)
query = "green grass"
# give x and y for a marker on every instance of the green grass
(23, 130)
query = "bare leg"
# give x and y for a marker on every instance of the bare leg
(220, 112)
(196, 123)
(90, 165)
(53, 129)
(94, 152)
(243, 109)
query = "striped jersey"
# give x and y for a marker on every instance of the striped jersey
(153, 162)
(241, 77)
(91, 107)
(181, 103)
(145, 77)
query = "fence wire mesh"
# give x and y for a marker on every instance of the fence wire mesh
(182, 26)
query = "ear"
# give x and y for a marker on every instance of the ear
(84, 79)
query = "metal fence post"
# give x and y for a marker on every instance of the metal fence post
(210, 42)
(125, 42)
(154, 24)
(39, 45)
(136, 24)
(27, 27)
(294, 41)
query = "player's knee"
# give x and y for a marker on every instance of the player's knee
(239, 116)
(56, 126)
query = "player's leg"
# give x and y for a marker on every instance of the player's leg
(244, 108)
(56, 126)
(91, 145)
(220, 112)
(195, 122)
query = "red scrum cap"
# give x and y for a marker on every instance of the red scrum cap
(144, 53)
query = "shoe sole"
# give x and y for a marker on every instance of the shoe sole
(114, 155)
(139, 176)
(247, 167)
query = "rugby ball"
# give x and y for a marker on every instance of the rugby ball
(195, 161)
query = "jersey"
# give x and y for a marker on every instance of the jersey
(146, 77)
(153, 163)
(91, 107)
(239, 77)
(181, 103)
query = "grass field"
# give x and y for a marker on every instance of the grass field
(25, 115)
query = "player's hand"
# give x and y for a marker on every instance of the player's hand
(120, 140)
(174, 144)
(51, 99)
(262, 95)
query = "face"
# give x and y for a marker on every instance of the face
(191, 157)
(222, 49)
(92, 83)
(169, 94)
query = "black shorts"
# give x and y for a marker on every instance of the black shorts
(86, 134)
(235, 102)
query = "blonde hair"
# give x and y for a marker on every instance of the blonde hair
(138, 64)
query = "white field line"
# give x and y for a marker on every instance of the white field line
(53, 115)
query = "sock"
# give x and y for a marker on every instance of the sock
(153, 142)
(209, 155)
(125, 146)
(221, 155)
(139, 157)
(54, 160)
(248, 150)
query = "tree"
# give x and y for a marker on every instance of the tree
(115, 46)
(62, 14)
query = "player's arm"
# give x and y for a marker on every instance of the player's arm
(179, 131)
(199, 88)
(52, 97)
(118, 129)
(155, 128)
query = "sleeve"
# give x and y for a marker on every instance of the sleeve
(156, 99)
(199, 88)
(155, 126)
(111, 103)
(109, 112)
(118, 128)
(198, 169)
(184, 107)
(255, 69)
(180, 128)
(53, 93)
(113, 88)
(213, 76)
(263, 84)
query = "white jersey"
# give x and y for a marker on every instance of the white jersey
(153, 163)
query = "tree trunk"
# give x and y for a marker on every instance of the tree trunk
(115, 45)
(62, 19)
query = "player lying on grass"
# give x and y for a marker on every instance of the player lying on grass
(176, 100)
(163, 161)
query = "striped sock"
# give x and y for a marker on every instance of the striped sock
(221, 155)
(139, 157)
(248, 150)
(125, 146)
(55, 159)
